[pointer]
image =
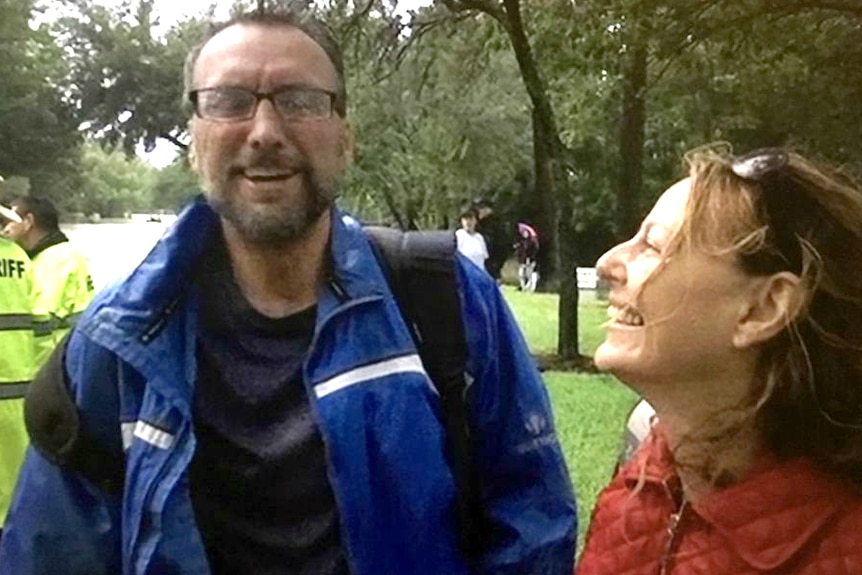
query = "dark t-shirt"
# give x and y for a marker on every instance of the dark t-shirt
(259, 486)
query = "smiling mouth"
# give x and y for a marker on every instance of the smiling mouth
(625, 315)
(268, 175)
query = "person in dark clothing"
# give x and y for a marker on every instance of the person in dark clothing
(526, 248)
(496, 238)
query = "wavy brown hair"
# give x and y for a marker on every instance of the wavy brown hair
(804, 217)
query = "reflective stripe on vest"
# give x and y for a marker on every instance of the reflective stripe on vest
(16, 321)
(42, 328)
(14, 389)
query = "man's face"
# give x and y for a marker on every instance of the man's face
(468, 223)
(269, 177)
(17, 231)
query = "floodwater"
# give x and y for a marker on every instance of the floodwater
(114, 249)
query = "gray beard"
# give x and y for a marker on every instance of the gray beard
(275, 225)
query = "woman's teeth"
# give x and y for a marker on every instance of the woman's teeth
(625, 316)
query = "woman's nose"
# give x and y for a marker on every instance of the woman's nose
(610, 267)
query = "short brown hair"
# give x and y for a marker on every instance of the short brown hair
(309, 24)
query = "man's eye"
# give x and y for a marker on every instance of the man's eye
(296, 103)
(227, 101)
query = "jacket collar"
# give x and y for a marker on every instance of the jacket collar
(48, 240)
(767, 517)
(140, 306)
(354, 265)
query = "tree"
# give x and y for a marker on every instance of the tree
(38, 133)
(126, 82)
(113, 184)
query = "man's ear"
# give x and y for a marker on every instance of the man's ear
(193, 157)
(773, 303)
(347, 143)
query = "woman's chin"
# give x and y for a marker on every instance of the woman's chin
(605, 358)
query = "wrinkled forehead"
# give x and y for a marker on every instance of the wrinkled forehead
(257, 53)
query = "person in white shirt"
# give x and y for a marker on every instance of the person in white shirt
(470, 242)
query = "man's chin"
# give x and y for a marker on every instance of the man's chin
(269, 225)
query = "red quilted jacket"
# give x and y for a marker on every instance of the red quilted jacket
(786, 517)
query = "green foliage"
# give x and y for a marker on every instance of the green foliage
(125, 81)
(38, 136)
(174, 186)
(113, 184)
(435, 130)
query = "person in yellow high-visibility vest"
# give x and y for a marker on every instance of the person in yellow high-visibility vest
(17, 358)
(62, 282)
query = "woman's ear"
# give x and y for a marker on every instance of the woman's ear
(772, 304)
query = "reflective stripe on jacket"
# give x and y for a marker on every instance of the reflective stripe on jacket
(63, 289)
(132, 369)
(17, 362)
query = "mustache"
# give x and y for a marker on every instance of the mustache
(270, 160)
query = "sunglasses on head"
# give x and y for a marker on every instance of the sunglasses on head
(767, 167)
(758, 164)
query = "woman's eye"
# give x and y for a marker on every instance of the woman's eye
(652, 245)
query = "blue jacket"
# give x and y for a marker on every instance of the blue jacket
(131, 369)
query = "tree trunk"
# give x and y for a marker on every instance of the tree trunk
(568, 338)
(632, 130)
(545, 215)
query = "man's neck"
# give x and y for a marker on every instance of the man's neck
(280, 280)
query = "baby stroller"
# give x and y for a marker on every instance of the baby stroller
(526, 248)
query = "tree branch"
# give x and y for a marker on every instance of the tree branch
(173, 139)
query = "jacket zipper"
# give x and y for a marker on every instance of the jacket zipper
(673, 533)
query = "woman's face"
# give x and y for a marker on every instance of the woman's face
(672, 315)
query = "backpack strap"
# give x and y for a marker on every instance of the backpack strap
(55, 429)
(421, 269)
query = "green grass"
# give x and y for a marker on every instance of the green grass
(537, 315)
(589, 410)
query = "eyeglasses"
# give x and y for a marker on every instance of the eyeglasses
(237, 104)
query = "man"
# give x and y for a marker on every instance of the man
(498, 241)
(62, 282)
(470, 242)
(17, 361)
(275, 415)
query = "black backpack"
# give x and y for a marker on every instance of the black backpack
(420, 267)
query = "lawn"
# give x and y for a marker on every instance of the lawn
(590, 410)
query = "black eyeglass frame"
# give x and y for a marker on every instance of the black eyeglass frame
(258, 97)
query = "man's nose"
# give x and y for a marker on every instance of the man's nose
(268, 126)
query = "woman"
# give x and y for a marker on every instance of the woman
(736, 311)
